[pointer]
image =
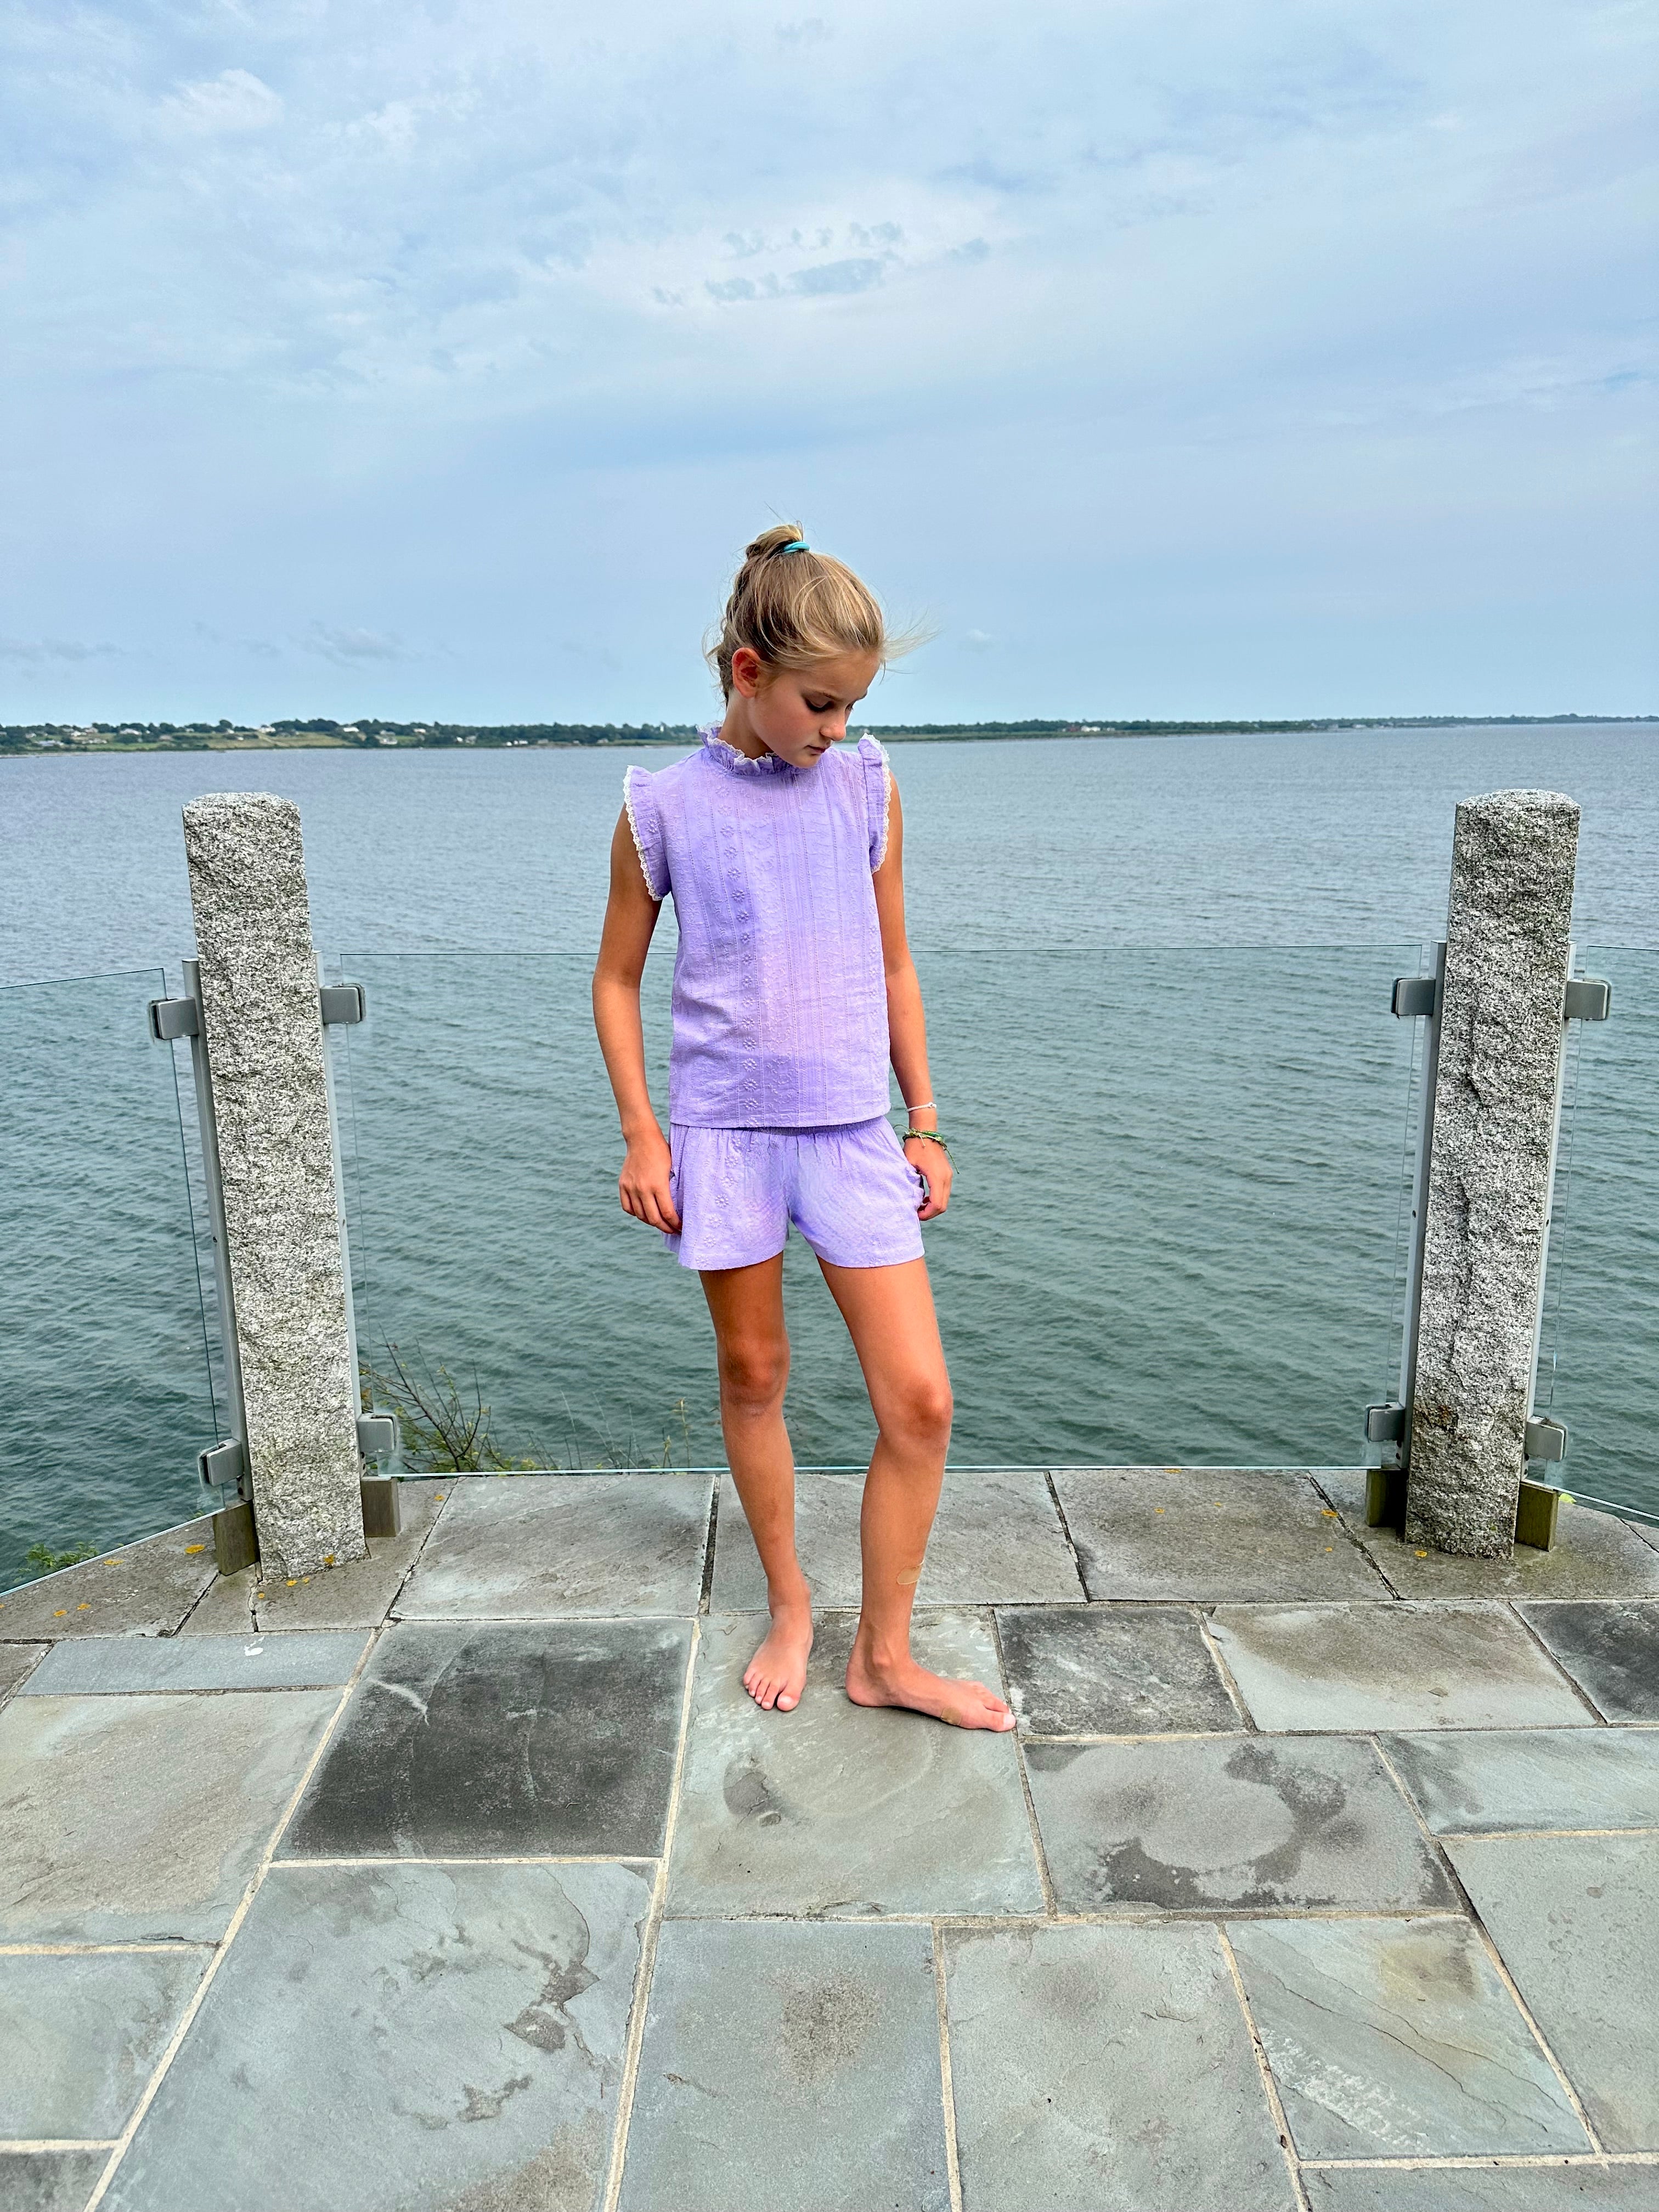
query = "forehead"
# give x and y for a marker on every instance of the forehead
(849, 676)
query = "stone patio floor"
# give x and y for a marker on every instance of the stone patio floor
(1320, 1873)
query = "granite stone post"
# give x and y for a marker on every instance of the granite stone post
(263, 1027)
(1496, 1097)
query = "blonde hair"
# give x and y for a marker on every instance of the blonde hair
(796, 608)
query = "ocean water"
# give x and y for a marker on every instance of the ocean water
(1157, 974)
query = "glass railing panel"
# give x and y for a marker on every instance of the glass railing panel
(101, 1315)
(1599, 1350)
(1177, 1232)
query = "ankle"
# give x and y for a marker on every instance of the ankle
(789, 1596)
(882, 1651)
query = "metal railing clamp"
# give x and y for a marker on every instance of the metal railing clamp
(342, 1004)
(1415, 997)
(1586, 998)
(174, 1018)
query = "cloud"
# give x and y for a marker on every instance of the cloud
(50, 651)
(350, 648)
(977, 640)
(838, 277)
(233, 101)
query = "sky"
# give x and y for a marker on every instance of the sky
(1162, 358)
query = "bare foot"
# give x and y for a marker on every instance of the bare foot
(963, 1705)
(776, 1674)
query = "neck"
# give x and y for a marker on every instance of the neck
(738, 731)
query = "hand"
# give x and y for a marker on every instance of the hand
(933, 1162)
(643, 1186)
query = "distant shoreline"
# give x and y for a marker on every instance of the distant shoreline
(24, 740)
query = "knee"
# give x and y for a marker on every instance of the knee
(753, 1377)
(920, 1413)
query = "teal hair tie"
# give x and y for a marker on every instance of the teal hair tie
(797, 545)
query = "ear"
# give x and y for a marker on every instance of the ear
(747, 670)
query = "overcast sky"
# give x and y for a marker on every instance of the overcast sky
(1169, 358)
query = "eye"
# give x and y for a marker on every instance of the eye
(818, 706)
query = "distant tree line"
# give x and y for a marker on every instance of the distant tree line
(370, 731)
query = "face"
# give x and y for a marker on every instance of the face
(800, 713)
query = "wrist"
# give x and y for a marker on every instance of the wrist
(642, 1130)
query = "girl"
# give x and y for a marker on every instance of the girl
(793, 986)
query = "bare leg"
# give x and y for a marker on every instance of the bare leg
(889, 1312)
(746, 1307)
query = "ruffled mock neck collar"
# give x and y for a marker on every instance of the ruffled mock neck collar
(725, 755)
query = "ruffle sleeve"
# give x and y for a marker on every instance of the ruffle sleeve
(878, 796)
(645, 821)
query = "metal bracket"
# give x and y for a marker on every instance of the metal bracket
(174, 1018)
(377, 1435)
(1586, 998)
(1415, 997)
(221, 1464)
(1384, 1425)
(1537, 1512)
(1545, 1438)
(342, 1004)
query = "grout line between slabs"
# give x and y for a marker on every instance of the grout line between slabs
(653, 1921)
(17, 2144)
(180, 1945)
(1229, 1683)
(1050, 1900)
(455, 1858)
(1482, 2162)
(1583, 1695)
(1066, 1531)
(1438, 1848)
(124, 2141)
(947, 2086)
(711, 1537)
(1270, 2087)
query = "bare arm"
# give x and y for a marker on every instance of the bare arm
(906, 1024)
(630, 917)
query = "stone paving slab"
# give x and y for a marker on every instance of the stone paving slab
(1213, 1822)
(1395, 1667)
(17, 1661)
(1397, 2039)
(416, 2036)
(551, 1547)
(1611, 1652)
(1210, 1535)
(128, 1665)
(48, 2181)
(143, 1589)
(788, 2064)
(1112, 1670)
(357, 1595)
(1484, 1781)
(838, 1808)
(79, 2035)
(1105, 2069)
(1555, 2188)
(1576, 1920)
(515, 1738)
(1595, 1555)
(997, 1541)
(135, 1820)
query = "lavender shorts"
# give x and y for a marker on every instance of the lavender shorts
(849, 1190)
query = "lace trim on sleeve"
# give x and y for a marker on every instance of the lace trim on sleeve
(633, 830)
(886, 807)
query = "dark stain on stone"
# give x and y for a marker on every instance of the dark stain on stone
(1054, 1758)
(1313, 1800)
(825, 2023)
(544, 2022)
(487, 2103)
(749, 1796)
(1128, 1874)
(513, 1737)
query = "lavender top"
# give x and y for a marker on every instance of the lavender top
(779, 992)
